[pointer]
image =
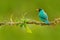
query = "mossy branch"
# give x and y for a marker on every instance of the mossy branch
(57, 20)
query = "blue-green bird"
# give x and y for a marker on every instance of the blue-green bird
(43, 16)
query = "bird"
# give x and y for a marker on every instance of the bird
(43, 16)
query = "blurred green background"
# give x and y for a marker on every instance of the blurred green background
(18, 8)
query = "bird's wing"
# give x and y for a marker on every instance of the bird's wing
(43, 15)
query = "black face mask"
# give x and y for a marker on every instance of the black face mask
(40, 10)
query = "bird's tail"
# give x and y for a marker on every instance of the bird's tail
(47, 22)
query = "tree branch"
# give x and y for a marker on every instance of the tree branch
(31, 22)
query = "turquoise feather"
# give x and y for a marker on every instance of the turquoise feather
(43, 16)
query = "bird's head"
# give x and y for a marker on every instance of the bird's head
(39, 9)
